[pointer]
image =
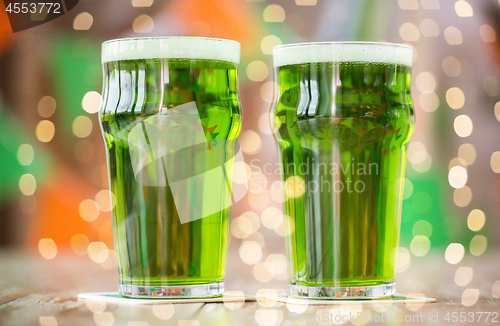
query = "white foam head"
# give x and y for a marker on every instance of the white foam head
(342, 52)
(170, 48)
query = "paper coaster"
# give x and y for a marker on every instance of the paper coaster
(395, 298)
(115, 297)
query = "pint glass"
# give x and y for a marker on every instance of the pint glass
(342, 118)
(170, 118)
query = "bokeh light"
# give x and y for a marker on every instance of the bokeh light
(429, 101)
(91, 102)
(105, 200)
(89, 210)
(46, 106)
(163, 311)
(408, 4)
(268, 42)
(455, 98)
(429, 28)
(462, 196)
(451, 66)
(257, 71)
(250, 252)
(478, 245)
(47, 321)
(27, 184)
(274, 14)
(250, 142)
(45, 131)
(409, 32)
(143, 24)
(467, 154)
(463, 126)
(79, 244)
(495, 162)
(82, 126)
(47, 248)
(420, 245)
(454, 253)
(463, 9)
(104, 318)
(426, 82)
(25, 154)
(97, 251)
(487, 33)
(83, 21)
(453, 36)
(470, 297)
(142, 3)
(476, 220)
(463, 276)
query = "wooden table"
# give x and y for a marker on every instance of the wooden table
(32, 288)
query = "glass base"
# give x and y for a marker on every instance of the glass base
(344, 292)
(172, 292)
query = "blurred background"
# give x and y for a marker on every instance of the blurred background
(53, 178)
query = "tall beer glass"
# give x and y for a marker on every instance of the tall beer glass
(170, 118)
(342, 118)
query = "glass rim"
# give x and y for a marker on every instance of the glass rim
(343, 51)
(170, 47)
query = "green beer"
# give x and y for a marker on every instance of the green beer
(342, 118)
(162, 249)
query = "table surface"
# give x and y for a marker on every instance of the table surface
(31, 287)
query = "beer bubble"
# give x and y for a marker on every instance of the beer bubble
(47, 248)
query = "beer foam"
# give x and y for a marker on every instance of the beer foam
(170, 48)
(390, 53)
